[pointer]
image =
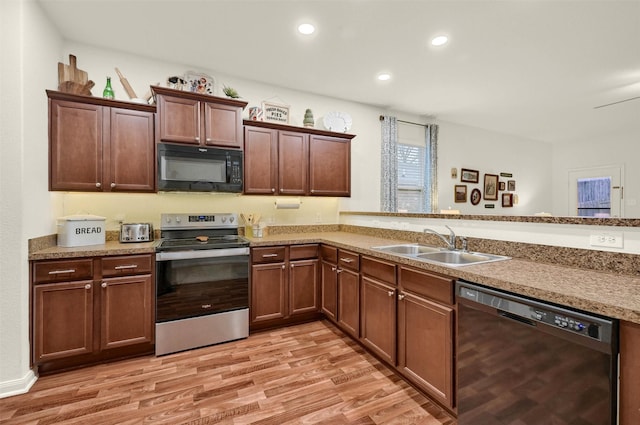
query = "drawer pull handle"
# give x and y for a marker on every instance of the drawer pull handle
(269, 255)
(129, 266)
(62, 271)
(87, 286)
(347, 260)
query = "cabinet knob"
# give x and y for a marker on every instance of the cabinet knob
(104, 284)
(197, 139)
(208, 139)
(400, 297)
(87, 286)
(390, 293)
(293, 265)
(339, 271)
(333, 269)
(113, 185)
(283, 267)
(98, 184)
(273, 190)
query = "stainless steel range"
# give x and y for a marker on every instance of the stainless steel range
(202, 282)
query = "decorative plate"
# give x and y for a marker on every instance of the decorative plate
(198, 83)
(337, 121)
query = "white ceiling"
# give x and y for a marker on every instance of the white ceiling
(535, 69)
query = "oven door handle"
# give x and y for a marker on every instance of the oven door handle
(201, 253)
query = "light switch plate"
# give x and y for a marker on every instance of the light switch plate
(607, 239)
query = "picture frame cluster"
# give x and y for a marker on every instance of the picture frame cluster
(492, 188)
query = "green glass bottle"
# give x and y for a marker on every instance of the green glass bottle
(107, 93)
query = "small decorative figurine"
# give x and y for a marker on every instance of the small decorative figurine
(308, 118)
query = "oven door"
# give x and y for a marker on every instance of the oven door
(201, 282)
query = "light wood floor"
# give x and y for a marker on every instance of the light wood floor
(310, 374)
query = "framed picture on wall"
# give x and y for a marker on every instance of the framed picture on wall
(490, 187)
(511, 185)
(475, 196)
(507, 200)
(502, 186)
(460, 193)
(469, 176)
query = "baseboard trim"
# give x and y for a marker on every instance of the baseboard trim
(18, 386)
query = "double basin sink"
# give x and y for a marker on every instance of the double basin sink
(441, 256)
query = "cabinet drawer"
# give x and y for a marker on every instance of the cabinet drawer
(378, 269)
(436, 287)
(329, 253)
(303, 252)
(59, 271)
(348, 260)
(126, 265)
(272, 254)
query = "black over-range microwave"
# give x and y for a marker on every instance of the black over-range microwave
(199, 169)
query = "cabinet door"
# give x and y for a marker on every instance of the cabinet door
(329, 296)
(349, 302)
(293, 163)
(378, 324)
(260, 160)
(268, 292)
(222, 125)
(75, 146)
(127, 311)
(329, 166)
(179, 120)
(629, 373)
(303, 286)
(425, 345)
(62, 320)
(131, 158)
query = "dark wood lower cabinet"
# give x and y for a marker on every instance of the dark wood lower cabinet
(78, 321)
(629, 373)
(268, 292)
(63, 324)
(349, 302)
(425, 345)
(378, 318)
(285, 285)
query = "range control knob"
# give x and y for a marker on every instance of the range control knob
(232, 219)
(224, 219)
(168, 219)
(178, 219)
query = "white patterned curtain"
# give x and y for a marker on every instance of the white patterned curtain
(431, 172)
(389, 174)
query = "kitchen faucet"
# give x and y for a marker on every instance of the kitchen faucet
(451, 242)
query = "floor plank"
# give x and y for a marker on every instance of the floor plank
(305, 374)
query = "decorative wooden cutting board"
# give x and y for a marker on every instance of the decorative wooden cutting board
(73, 80)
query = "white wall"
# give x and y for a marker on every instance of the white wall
(616, 148)
(488, 152)
(29, 50)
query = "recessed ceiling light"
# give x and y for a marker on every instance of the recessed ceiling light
(439, 40)
(385, 76)
(306, 29)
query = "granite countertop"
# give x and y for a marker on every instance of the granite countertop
(608, 294)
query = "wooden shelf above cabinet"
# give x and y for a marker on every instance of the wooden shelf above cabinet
(95, 100)
(198, 96)
(308, 130)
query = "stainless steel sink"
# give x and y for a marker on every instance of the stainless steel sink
(442, 256)
(407, 249)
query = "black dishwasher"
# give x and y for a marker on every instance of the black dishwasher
(524, 362)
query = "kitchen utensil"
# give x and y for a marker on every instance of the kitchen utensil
(73, 80)
(127, 87)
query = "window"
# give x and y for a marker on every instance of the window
(594, 197)
(411, 170)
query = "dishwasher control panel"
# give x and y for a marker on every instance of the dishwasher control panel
(530, 311)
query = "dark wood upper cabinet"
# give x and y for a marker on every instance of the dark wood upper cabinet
(98, 145)
(198, 119)
(288, 160)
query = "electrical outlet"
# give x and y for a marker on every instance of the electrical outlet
(607, 239)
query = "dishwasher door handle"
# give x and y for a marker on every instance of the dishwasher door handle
(517, 318)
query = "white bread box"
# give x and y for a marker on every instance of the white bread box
(81, 230)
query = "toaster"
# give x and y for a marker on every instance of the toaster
(136, 232)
